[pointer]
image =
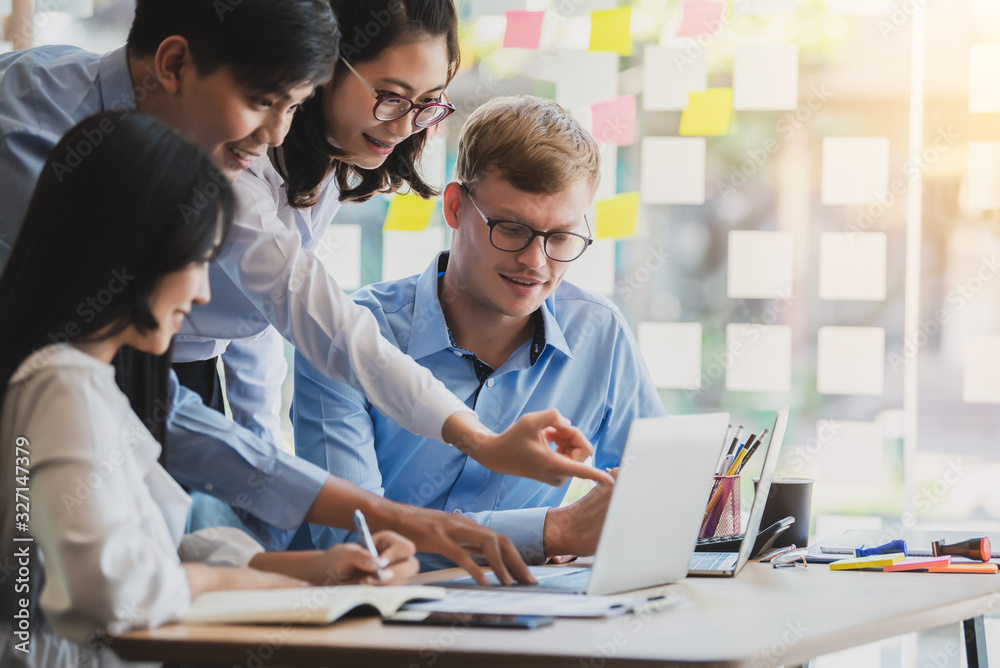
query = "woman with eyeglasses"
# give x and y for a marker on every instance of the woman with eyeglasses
(361, 134)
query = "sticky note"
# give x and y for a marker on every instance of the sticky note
(983, 175)
(6, 46)
(408, 253)
(855, 169)
(763, 7)
(434, 160)
(82, 9)
(873, 561)
(610, 31)
(408, 212)
(340, 251)
(492, 7)
(766, 77)
(524, 29)
(859, 7)
(965, 567)
(609, 172)
(672, 351)
(985, 7)
(708, 112)
(982, 369)
(760, 357)
(595, 269)
(614, 121)
(6, 9)
(850, 360)
(839, 445)
(984, 71)
(760, 265)
(700, 18)
(917, 564)
(617, 217)
(852, 265)
(585, 77)
(673, 170)
(668, 75)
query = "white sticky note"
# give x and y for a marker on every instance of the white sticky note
(6, 8)
(6, 47)
(673, 170)
(852, 265)
(986, 7)
(340, 251)
(669, 75)
(492, 7)
(759, 357)
(850, 360)
(672, 351)
(983, 176)
(766, 77)
(763, 7)
(585, 77)
(760, 265)
(855, 169)
(608, 187)
(859, 7)
(595, 269)
(981, 384)
(408, 253)
(434, 161)
(841, 445)
(82, 9)
(984, 72)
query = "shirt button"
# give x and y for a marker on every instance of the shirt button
(209, 487)
(457, 511)
(490, 382)
(457, 352)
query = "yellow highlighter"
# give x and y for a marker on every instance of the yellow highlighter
(874, 561)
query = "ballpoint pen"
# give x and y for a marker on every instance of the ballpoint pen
(365, 538)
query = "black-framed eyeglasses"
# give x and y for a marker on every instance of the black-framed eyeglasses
(509, 236)
(389, 106)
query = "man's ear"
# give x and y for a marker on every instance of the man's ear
(452, 203)
(170, 61)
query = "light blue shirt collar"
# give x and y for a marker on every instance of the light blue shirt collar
(115, 80)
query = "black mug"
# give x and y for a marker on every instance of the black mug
(789, 496)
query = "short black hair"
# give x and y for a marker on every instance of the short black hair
(270, 47)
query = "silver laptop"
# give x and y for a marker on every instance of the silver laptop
(728, 564)
(654, 514)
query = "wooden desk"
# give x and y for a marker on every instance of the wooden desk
(764, 617)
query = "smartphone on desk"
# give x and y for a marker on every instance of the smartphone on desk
(468, 619)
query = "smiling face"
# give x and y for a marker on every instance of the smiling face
(512, 284)
(174, 295)
(417, 70)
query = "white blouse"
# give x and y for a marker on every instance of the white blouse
(107, 519)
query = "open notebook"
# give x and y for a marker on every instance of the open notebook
(308, 605)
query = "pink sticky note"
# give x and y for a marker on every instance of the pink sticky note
(614, 121)
(700, 18)
(524, 29)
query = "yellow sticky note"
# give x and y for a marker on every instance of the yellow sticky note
(610, 30)
(616, 217)
(876, 560)
(408, 212)
(708, 112)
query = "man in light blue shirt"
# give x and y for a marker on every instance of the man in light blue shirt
(497, 325)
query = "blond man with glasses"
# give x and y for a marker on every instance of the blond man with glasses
(495, 321)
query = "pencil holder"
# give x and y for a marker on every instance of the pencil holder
(722, 516)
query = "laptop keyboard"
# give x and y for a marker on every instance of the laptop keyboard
(712, 561)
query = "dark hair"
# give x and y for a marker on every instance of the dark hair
(121, 201)
(270, 47)
(367, 28)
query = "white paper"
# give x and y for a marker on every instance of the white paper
(609, 173)
(340, 251)
(491, 7)
(486, 601)
(984, 73)
(408, 253)
(760, 265)
(983, 177)
(850, 360)
(673, 170)
(595, 269)
(981, 384)
(859, 7)
(855, 169)
(669, 75)
(852, 265)
(672, 351)
(763, 7)
(766, 77)
(585, 77)
(842, 444)
(758, 357)
(986, 7)
(82, 9)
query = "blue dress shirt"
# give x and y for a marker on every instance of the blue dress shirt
(588, 367)
(44, 92)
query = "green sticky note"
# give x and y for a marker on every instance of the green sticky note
(617, 217)
(610, 30)
(408, 212)
(708, 112)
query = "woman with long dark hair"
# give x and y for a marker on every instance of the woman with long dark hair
(114, 253)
